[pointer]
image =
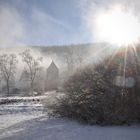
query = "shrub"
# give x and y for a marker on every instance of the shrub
(92, 96)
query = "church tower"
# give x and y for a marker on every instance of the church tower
(52, 77)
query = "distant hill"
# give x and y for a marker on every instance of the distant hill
(90, 52)
(57, 49)
(63, 48)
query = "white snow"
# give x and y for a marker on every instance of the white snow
(28, 121)
(23, 98)
(43, 128)
(12, 119)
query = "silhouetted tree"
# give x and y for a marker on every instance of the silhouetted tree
(8, 65)
(69, 59)
(32, 66)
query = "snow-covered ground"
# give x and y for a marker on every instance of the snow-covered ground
(29, 121)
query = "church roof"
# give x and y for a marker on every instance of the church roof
(52, 66)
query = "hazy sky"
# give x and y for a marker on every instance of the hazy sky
(50, 22)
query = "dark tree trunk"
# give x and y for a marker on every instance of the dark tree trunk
(8, 88)
(32, 88)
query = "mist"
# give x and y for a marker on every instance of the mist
(68, 67)
(71, 40)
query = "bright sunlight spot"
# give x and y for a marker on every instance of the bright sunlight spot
(118, 26)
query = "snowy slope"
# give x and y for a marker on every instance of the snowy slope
(29, 121)
(43, 128)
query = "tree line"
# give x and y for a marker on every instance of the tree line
(8, 67)
(71, 58)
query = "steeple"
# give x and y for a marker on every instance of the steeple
(52, 66)
(52, 77)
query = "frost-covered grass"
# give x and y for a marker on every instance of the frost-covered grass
(18, 99)
(35, 127)
(8, 100)
(28, 121)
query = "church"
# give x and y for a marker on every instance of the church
(52, 77)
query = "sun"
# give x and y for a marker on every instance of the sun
(117, 26)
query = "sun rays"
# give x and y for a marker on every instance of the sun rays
(125, 61)
(120, 27)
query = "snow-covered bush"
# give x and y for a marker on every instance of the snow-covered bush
(92, 96)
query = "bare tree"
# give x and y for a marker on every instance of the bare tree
(8, 65)
(80, 54)
(69, 59)
(32, 66)
(74, 57)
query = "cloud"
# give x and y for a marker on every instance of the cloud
(22, 24)
(11, 27)
(44, 18)
(37, 27)
(45, 27)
